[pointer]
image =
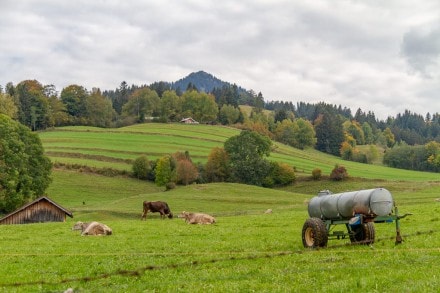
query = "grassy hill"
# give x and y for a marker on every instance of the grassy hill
(247, 250)
(117, 148)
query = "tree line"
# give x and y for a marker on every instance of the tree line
(328, 128)
(242, 159)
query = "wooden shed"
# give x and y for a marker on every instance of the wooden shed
(189, 120)
(40, 210)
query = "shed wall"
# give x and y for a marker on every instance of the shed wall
(41, 211)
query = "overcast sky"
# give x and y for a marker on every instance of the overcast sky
(380, 56)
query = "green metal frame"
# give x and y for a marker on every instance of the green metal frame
(365, 219)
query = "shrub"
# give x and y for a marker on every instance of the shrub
(170, 185)
(280, 174)
(141, 167)
(268, 182)
(338, 173)
(316, 174)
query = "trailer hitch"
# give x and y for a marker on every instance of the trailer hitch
(399, 239)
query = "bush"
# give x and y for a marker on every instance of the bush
(141, 167)
(280, 174)
(268, 182)
(339, 173)
(316, 174)
(170, 185)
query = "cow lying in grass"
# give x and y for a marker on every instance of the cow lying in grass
(197, 218)
(92, 228)
(156, 207)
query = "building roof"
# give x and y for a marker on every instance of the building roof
(189, 120)
(69, 213)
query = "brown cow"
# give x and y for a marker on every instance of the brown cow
(197, 218)
(156, 207)
(92, 228)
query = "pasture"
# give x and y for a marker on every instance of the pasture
(117, 148)
(245, 251)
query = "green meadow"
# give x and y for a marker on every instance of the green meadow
(245, 251)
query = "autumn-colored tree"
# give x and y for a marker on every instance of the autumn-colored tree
(280, 174)
(217, 168)
(316, 174)
(7, 106)
(186, 172)
(346, 151)
(389, 137)
(285, 132)
(184, 169)
(354, 129)
(338, 173)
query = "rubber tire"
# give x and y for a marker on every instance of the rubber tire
(364, 233)
(314, 233)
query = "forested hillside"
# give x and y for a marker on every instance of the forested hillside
(410, 140)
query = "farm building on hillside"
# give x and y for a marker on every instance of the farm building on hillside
(189, 120)
(40, 210)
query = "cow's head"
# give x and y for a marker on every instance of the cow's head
(79, 226)
(183, 215)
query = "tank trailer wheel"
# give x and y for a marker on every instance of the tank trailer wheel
(364, 233)
(314, 233)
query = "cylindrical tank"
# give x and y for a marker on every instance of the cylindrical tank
(325, 205)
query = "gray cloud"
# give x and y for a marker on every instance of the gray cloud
(354, 53)
(421, 48)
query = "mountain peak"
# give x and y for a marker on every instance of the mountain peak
(202, 80)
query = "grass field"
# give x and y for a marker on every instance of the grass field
(245, 251)
(116, 148)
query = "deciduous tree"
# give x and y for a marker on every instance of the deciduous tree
(24, 169)
(142, 103)
(163, 171)
(7, 106)
(217, 168)
(99, 110)
(246, 152)
(75, 99)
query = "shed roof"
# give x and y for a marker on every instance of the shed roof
(67, 212)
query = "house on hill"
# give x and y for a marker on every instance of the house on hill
(189, 120)
(40, 210)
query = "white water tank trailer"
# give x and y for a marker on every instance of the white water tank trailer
(357, 210)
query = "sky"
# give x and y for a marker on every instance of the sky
(380, 56)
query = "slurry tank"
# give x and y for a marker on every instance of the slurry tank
(371, 202)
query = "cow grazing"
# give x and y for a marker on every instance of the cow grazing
(197, 218)
(92, 228)
(156, 207)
